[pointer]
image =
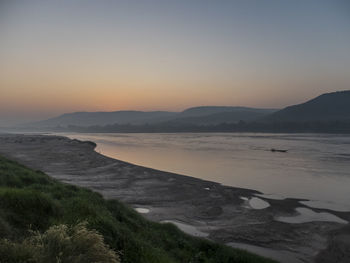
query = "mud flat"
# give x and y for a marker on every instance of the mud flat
(224, 214)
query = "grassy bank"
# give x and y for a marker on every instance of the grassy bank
(32, 201)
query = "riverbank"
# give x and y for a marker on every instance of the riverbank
(225, 214)
(44, 220)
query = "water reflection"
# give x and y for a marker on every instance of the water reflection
(316, 166)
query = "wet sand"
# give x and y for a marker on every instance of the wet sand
(224, 214)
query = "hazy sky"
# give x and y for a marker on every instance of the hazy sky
(87, 55)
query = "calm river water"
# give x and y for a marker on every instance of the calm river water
(316, 167)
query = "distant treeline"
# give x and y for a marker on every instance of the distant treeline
(272, 127)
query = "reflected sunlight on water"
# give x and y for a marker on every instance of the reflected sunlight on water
(315, 167)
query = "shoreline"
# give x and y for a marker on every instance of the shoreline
(238, 165)
(210, 207)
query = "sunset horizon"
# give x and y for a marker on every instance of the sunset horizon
(19, 119)
(66, 56)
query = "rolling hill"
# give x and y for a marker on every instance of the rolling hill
(196, 115)
(325, 109)
(333, 106)
(104, 118)
(212, 115)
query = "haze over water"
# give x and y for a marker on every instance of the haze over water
(316, 167)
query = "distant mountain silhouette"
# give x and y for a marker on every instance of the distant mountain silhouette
(207, 110)
(333, 106)
(104, 118)
(328, 113)
(328, 107)
(196, 115)
(210, 115)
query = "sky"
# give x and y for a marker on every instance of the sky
(103, 55)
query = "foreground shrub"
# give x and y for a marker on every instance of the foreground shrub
(25, 206)
(59, 244)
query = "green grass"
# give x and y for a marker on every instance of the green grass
(31, 200)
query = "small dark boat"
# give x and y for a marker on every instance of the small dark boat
(278, 150)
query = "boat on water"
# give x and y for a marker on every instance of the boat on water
(278, 150)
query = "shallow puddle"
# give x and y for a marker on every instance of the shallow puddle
(307, 215)
(257, 203)
(326, 205)
(254, 203)
(142, 210)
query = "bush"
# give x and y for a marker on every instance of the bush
(26, 207)
(59, 244)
